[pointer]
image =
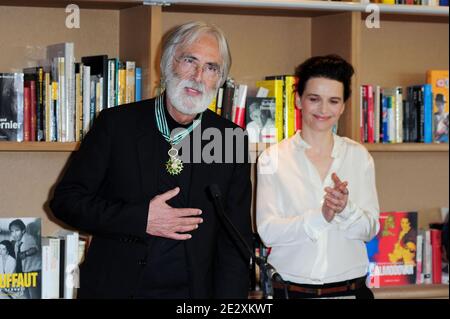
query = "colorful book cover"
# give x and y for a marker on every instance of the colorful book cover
(392, 253)
(20, 258)
(439, 83)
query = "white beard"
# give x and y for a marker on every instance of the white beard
(187, 104)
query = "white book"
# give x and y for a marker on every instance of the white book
(51, 266)
(419, 259)
(427, 259)
(86, 98)
(111, 83)
(66, 51)
(71, 270)
(62, 102)
(399, 115)
(45, 271)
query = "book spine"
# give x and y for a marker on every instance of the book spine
(377, 112)
(370, 115)
(361, 114)
(27, 114)
(436, 245)
(428, 116)
(86, 98)
(40, 112)
(138, 94)
(239, 118)
(33, 109)
(385, 118)
(419, 259)
(427, 256)
(130, 81)
(399, 115)
(391, 119)
(290, 105)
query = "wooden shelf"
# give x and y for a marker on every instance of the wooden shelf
(400, 292)
(407, 147)
(412, 292)
(84, 4)
(38, 146)
(400, 147)
(309, 5)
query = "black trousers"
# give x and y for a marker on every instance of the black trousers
(360, 293)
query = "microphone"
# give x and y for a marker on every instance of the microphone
(269, 270)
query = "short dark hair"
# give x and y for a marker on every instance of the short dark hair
(18, 223)
(9, 247)
(331, 67)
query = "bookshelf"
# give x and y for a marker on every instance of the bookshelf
(278, 36)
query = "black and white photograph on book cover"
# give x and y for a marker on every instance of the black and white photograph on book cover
(20, 258)
(261, 120)
(11, 107)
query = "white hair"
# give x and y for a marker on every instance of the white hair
(187, 34)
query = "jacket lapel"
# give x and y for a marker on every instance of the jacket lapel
(146, 146)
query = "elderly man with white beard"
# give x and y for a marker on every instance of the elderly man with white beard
(134, 186)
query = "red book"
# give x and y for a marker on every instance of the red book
(33, 109)
(392, 253)
(26, 113)
(436, 254)
(370, 115)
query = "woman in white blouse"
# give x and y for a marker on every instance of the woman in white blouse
(317, 201)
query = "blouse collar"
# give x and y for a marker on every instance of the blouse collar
(337, 144)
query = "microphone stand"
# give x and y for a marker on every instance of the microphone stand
(267, 269)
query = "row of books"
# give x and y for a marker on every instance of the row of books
(432, 3)
(401, 254)
(269, 115)
(36, 267)
(417, 114)
(59, 100)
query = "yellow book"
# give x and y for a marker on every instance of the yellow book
(290, 106)
(275, 88)
(388, 1)
(439, 86)
(122, 86)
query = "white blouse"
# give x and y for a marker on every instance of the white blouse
(305, 247)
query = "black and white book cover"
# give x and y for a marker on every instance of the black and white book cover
(11, 107)
(261, 120)
(20, 258)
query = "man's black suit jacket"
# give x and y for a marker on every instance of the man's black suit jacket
(106, 192)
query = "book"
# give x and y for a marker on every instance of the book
(439, 86)
(436, 255)
(261, 120)
(20, 247)
(275, 90)
(11, 106)
(69, 261)
(66, 78)
(392, 253)
(99, 67)
(50, 267)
